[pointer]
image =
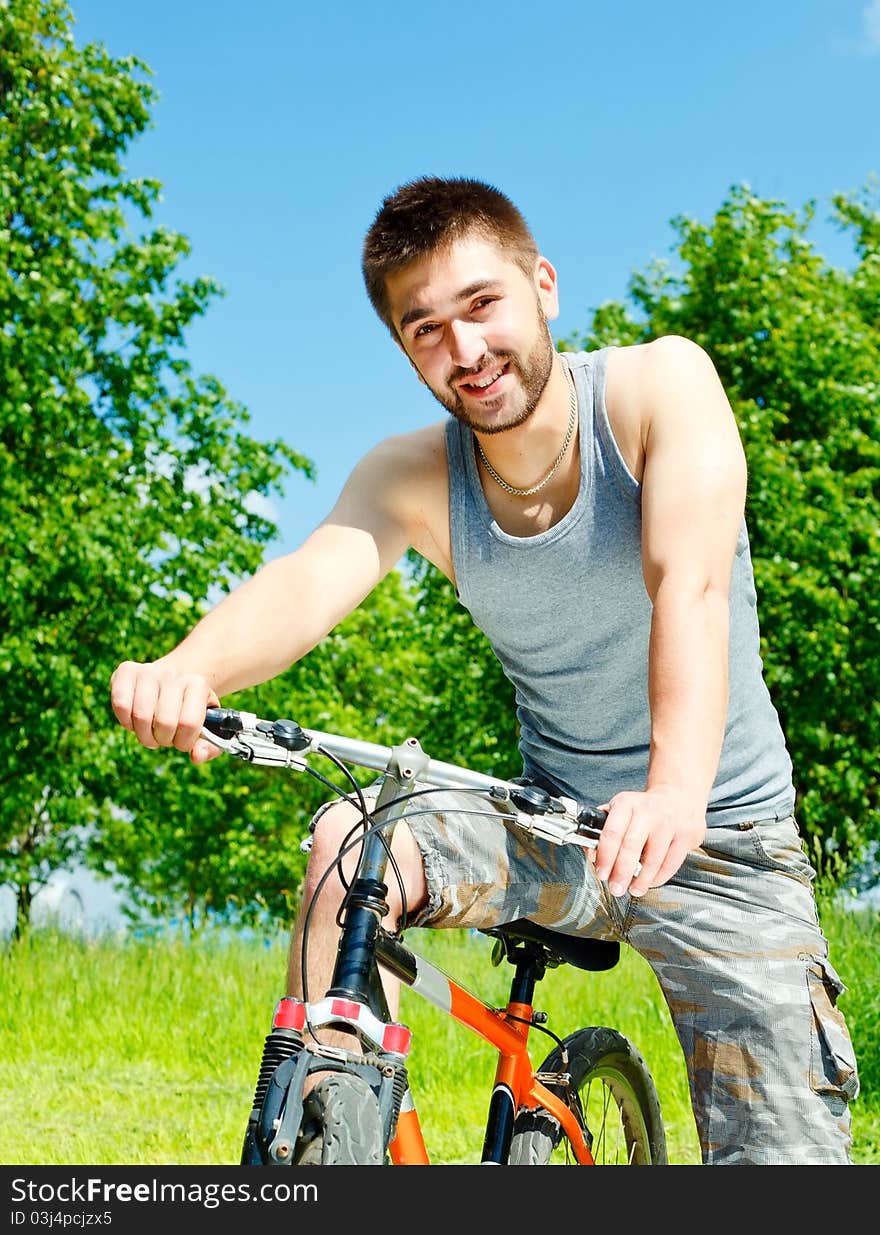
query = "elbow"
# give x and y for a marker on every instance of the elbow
(691, 591)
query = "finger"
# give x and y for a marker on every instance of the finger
(143, 709)
(167, 710)
(203, 750)
(122, 683)
(677, 853)
(628, 861)
(654, 853)
(196, 697)
(613, 832)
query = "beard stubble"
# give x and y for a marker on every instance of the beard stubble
(534, 373)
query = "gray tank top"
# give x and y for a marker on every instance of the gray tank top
(567, 614)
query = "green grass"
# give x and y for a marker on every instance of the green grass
(146, 1052)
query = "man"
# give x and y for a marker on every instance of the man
(589, 509)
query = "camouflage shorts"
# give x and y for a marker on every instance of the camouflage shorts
(733, 939)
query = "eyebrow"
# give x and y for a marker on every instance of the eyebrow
(417, 313)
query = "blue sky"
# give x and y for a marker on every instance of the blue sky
(281, 126)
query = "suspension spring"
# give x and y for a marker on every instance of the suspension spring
(279, 1045)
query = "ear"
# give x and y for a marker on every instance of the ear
(547, 288)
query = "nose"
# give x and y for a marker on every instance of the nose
(467, 346)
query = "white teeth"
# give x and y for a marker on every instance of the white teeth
(488, 381)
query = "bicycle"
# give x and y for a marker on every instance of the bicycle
(592, 1100)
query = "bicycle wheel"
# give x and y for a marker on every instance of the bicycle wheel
(619, 1102)
(341, 1125)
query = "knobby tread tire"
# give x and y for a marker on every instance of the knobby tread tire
(598, 1056)
(342, 1125)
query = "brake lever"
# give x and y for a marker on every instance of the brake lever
(556, 818)
(254, 741)
(577, 826)
(557, 822)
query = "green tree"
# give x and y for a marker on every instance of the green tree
(129, 491)
(796, 341)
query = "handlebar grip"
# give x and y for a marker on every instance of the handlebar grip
(225, 722)
(591, 819)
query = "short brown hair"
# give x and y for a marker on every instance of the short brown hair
(426, 215)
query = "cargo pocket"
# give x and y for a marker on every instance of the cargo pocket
(832, 1059)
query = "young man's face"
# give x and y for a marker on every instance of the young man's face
(475, 328)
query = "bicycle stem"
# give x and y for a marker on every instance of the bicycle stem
(354, 972)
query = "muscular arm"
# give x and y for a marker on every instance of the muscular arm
(278, 615)
(692, 508)
(693, 494)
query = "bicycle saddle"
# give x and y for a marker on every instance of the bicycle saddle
(594, 954)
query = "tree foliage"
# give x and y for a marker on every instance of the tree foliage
(128, 488)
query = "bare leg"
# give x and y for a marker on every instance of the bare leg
(331, 831)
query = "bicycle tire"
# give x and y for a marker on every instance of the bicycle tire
(618, 1098)
(341, 1126)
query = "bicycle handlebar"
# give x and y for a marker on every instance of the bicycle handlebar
(284, 743)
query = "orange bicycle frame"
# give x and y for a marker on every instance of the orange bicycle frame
(516, 1085)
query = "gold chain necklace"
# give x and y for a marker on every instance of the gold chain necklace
(572, 421)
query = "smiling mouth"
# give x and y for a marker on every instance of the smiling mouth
(486, 384)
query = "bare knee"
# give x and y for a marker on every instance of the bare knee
(338, 826)
(339, 832)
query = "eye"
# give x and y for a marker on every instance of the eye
(425, 329)
(483, 303)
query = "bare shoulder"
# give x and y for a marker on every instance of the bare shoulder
(644, 370)
(422, 448)
(408, 466)
(669, 382)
